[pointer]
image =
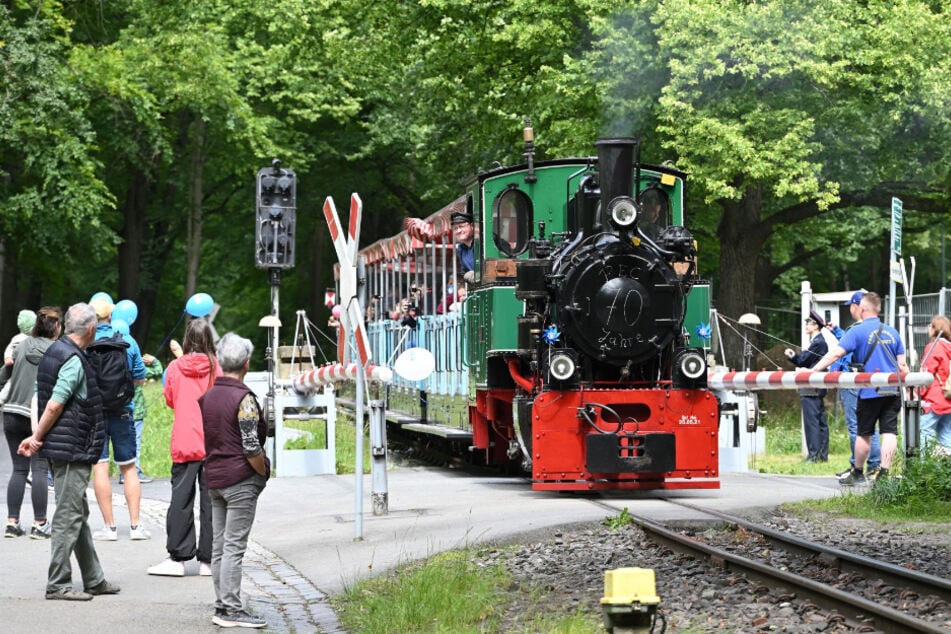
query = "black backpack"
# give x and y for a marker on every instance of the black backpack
(110, 362)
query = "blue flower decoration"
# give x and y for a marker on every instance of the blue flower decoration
(703, 331)
(551, 335)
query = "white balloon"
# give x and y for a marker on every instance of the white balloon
(416, 364)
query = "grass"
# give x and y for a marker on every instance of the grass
(783, 425)
(424, 597)
(380, 605)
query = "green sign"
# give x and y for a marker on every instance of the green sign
(896, 226)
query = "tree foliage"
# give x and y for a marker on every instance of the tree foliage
(130, 132)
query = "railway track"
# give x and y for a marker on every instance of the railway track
(815, 572)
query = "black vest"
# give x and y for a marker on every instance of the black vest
(78, 434)
(225, 462)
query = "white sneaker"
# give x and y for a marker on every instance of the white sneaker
(106, 534)
(139, 532)
(168, 568)
(204, 569)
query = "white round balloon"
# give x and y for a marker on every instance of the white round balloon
(416, 364)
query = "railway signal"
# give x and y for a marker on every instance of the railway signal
(276, 217)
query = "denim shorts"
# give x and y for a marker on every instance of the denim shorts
(121, 430)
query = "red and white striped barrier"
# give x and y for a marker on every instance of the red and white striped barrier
(783, 380)
(315, 379)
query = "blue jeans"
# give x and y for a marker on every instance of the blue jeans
(850, 404)
(232, 513)
(934, 428)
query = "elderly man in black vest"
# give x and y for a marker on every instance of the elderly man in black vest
(70, 435)
(236, 471)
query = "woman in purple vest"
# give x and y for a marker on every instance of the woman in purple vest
(236, 471)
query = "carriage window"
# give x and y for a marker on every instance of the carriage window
(655, 211)
(512, 221)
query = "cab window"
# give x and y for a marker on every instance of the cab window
(655, 211)
(512, 221)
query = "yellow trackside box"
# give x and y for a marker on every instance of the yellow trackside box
(630, 600)
(630, 585)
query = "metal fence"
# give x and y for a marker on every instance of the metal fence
(923, 308)
(785, 324)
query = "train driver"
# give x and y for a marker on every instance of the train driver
(463, 234)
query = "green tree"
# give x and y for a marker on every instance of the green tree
(783, 113)
(52, 196)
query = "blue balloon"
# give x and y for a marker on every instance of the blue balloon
(101, 295)
(126, 311)
(199, 305)
(120, 325)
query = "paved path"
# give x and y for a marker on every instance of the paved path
(305, 545)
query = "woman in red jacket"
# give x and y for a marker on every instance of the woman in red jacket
(935, 422)
(186, 379)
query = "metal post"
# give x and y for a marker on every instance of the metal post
(360, 298)
(270, 408)
(380, 495)
(806, 303)
(358, 469)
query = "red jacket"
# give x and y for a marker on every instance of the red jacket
(937, 356)
(186, 379)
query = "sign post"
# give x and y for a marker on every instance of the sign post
(352, 321)
(895, 272)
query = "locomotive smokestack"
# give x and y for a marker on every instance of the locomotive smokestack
(615, 165)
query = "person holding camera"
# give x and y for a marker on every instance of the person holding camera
(814, 423)
(881, 349)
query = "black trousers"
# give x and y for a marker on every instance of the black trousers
(815, 426)
(180, 520)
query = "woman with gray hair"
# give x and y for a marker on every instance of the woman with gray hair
(236, 471)
(234, 352)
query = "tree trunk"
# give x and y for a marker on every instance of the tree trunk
(742, 235)
(133, 235)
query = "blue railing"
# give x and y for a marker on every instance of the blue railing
(440, 334)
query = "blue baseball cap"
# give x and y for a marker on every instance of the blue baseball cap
(856, 299)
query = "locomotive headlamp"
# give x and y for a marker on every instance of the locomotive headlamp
(623, 211)
(690, 369)
(561, 366)
(692, 365)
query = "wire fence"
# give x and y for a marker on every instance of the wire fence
(783, 325)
